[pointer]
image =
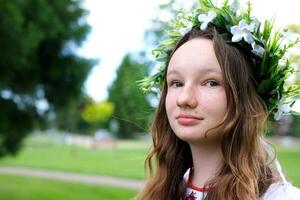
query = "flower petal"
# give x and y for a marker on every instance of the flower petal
(235, 30)
(257, 49)
(248, 37)
(236, 38)
(211, 15)
(203, 26)
(243, 24)
(285, 108)
(190, 25)
(251, 27)
(202, 18)
(182, 31)
(186, 29)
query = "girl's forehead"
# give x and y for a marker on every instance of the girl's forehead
(196, 55)
(199, 70)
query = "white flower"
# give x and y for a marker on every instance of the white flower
(205, 19)
(257, 49)
(283, 108)
(185, 30)
(281, 63)
(243, 30)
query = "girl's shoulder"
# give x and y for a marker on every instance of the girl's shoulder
(281, 191)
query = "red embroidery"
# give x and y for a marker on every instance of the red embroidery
(192, 186)
(191, 196)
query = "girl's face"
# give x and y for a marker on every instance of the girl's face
(196, 99)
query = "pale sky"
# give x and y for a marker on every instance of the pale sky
(118, 27)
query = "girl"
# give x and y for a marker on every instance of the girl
(209, 127)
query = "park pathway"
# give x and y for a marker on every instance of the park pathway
(74, 177)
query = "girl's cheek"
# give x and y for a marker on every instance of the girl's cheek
(214, 103)
(170, 100)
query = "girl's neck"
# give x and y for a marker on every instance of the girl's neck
(207, 161)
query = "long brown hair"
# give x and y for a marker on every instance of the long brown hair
(246, 172)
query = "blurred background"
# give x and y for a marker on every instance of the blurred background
(73, 123)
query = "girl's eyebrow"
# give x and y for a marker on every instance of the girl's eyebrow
(202, 71)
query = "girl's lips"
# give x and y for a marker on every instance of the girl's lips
(188, 120)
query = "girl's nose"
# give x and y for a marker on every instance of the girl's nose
(187, 98)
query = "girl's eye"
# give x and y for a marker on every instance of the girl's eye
(176, 84)
(211, 83)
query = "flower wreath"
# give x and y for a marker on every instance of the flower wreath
(236, 25)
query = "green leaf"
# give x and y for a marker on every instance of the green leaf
(264, 87)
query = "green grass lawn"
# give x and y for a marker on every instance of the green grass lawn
(126, 160)
(23, 188)
(290, 161)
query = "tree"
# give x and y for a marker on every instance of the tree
(41, 77)
(96, 114)
(132, 109)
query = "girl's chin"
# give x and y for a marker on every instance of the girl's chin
(196, 137)
(191, 137)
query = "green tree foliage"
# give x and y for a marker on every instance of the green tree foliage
(86, 116)
(132, 109)
(38, 64)
(97, 112)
